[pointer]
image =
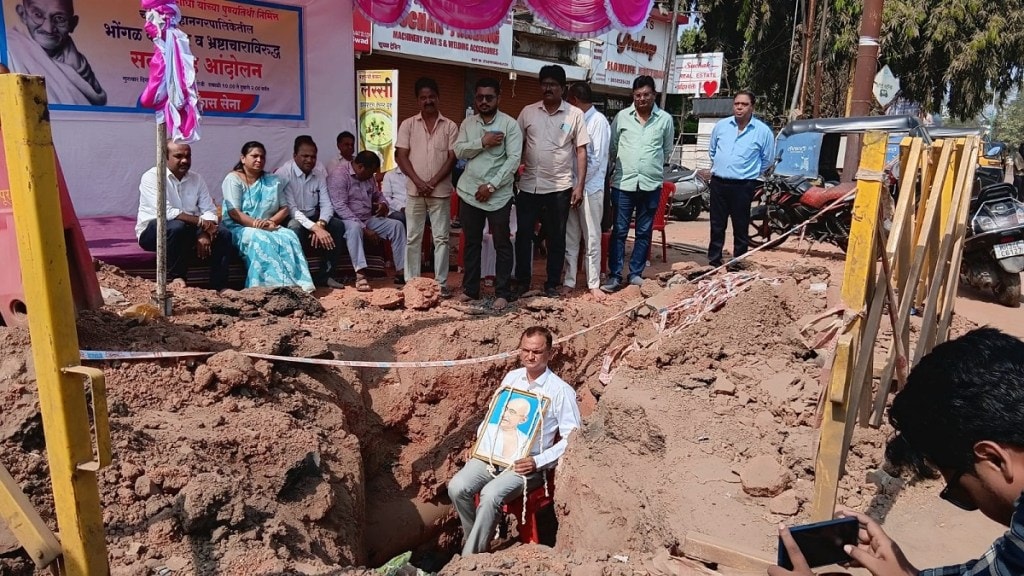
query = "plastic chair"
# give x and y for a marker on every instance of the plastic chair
(536, 500)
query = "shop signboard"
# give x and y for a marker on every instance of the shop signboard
(620, 56)
(419, 34)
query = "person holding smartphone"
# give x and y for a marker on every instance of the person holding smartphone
(960, 416)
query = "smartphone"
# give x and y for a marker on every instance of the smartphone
(822, 542)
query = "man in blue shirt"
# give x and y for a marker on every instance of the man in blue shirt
(741, 149)
(960, 415)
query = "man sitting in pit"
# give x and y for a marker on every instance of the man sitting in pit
(497, 485)
(191, 220)
(356, 199)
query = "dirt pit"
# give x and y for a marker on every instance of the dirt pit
(226, 465)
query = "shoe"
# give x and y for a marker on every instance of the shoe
(446, 292)
(552, 293)
(332, 283)
(399, 279)
(611, 286)
(637, 281)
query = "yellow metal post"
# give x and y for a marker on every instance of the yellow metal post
(844, 392)
(25, 523)
(51, 318)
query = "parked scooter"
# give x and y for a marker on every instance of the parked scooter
(993, 255)
(692, 193)
(786, 201)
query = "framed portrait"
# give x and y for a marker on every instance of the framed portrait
(511, 427)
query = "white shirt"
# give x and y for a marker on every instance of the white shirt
(393, 189)
(597, 151)
(188, 195)
(562, 414)
(334, 163)
(305, 194)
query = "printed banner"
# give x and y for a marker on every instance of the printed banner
(624, 56)
(377, 100)
(421, 35)
(95, 56)
(697, 74)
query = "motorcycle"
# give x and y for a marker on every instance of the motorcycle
(692, 194)
(993, 255)
(787, 201)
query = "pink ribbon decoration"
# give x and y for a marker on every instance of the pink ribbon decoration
(171, 89)
(574, 18)
(480, 16)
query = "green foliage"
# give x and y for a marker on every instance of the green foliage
(1009, 123)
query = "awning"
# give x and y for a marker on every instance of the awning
(574, 18)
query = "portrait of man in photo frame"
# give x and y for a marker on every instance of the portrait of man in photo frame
(510, 429)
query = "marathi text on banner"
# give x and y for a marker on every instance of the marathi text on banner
(377, 99)
(249, 55)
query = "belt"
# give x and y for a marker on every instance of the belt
(733, 180)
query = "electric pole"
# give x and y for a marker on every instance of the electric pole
(863, 79)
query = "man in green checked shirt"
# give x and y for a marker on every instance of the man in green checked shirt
(492, 143)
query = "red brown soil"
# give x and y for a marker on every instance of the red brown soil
(223, 465)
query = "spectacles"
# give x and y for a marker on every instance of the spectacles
(59, 21)
(485, 97)
(550, 85)
(956, 499)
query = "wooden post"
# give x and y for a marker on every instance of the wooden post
(163, 300)
(62, 400)
(844, 392)
(946, 313)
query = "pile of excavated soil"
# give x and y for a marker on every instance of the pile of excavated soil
(226, 465)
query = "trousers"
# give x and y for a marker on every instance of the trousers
(478, 522)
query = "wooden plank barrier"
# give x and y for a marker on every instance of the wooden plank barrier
(912, 269)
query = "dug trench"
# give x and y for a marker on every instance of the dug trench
(229, 465)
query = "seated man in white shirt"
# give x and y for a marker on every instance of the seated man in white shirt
(497, 486)
(393, 188)
(191, 220)
(309, 206)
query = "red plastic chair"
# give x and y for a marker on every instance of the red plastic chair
(536, 500)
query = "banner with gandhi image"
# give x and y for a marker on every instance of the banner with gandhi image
(95, 55)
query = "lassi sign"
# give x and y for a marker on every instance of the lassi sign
(622, 56)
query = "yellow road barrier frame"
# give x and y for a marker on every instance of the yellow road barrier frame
(51, 318)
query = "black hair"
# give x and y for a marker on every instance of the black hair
(426, 82)
(581, 91)
(345, 134)
(300, 141)
(249, 147)
(965, 391)
(488, 82)
(642, 81)
(368, 159)
(539, 330)
(552, 72)
(748, 94)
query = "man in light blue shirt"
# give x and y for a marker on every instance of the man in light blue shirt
(641, 144)
(741, 149)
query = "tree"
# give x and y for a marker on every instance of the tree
(1009, 123)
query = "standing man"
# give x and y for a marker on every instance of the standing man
(309, 206)
(554, 140)
(356, 200)
(491, 143)
(741, 150)
(346, 143)
(424, 151)
(585, 219)
(191, 220)
(498, 485)
(642, 139)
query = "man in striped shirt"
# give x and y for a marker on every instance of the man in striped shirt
(961, 415)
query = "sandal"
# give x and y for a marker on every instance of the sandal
(362, 285)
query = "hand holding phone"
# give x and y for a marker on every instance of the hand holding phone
(821, 543)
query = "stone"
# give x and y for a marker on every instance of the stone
(146, 487)
(11, 368)
(201, 500)
(421, 293)
(763, 477)
(781, 387)
(232, 369)
(724, 386)
(176, 563)
(386, 298)
(345, 324)
(785, 504)
(135, 549)
(764, 420)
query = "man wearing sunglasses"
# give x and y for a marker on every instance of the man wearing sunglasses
(960, 416)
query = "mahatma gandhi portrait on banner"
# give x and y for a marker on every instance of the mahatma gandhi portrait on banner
(41, 45)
